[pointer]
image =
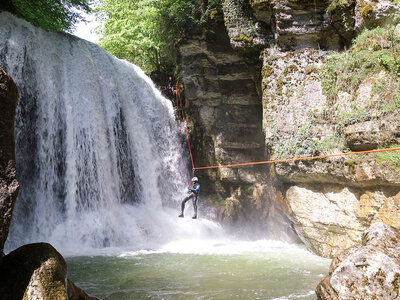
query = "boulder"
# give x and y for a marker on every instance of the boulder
(8, 181)
(367, 271)
(37, 271)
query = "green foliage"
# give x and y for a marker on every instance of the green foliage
(373, 51)
(145, 31)
(335, 4)
(303, 143)
(390, 158)
(351, 117)
(48, 14)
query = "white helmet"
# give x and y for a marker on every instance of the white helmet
(195, 179)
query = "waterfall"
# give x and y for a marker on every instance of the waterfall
(96, 146)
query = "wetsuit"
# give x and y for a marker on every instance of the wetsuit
(194, 194)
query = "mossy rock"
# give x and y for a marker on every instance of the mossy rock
(243, 38)
(37, 271)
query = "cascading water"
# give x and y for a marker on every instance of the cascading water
(97, 154)
(99, 169)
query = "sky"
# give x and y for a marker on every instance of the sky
(86, 30)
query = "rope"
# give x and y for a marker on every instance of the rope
(178, 95)
(296, 159)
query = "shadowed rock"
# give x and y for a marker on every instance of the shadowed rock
(8, 181)
(37, 271)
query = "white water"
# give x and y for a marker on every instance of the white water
(97, 155)
(96, 148)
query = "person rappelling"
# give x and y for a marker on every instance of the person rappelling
(194, 194)
(169, 89)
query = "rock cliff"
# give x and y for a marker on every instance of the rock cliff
(8, 180)
(225, 118)
(326, 82)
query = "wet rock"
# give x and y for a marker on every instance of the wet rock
(37, 271)
(367, 271)
(8, 181)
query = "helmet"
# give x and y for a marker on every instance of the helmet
(195, 179)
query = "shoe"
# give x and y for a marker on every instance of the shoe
(180, 216)
(194, 217)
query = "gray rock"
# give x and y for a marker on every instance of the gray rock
(37, 271)
(8, 181)
(373, 13)
(367, 271)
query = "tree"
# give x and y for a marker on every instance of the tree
(145, 31)
(48, 14)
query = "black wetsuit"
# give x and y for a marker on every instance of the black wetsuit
(194, 194)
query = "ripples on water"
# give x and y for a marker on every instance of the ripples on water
(203, 269)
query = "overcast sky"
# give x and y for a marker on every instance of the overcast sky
(86, 30)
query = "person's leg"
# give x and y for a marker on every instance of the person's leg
(195, 207)
(183, 204)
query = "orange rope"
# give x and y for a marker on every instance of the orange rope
(178, 95)
(295, 159)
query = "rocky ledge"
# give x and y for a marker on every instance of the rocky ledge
(367, 271)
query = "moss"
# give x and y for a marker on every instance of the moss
(390, 159)
(279, 85)
(213, 13)
(290, 69)
(366, 11)
(395, 284)
(350, 162)
(373, 51)
(267, 71)
(243, 38)
(335, 4)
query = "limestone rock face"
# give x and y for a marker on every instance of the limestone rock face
(334, 217)
(367, 271)
(332, 200)
(305, 24)
(8, 181)
(371, 14)
(37, 271)
(223, 104)
(296, 39)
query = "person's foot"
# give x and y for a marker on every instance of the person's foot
(194, 217)
(180, 216)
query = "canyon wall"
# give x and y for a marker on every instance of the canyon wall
(258, 83)
(8, 181)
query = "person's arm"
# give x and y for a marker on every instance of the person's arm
(196, 189)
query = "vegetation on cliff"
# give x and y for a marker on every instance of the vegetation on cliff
(145, 32)
(373, 51)
(48, 14)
